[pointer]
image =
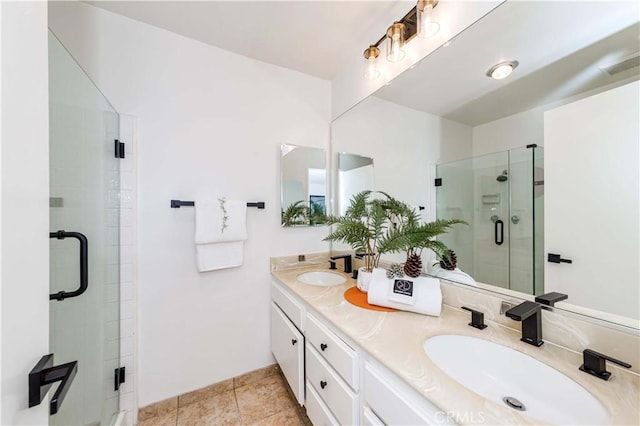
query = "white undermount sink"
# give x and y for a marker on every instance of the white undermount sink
(497, 372)
(321, 278)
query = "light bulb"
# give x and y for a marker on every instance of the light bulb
(395, 42)
(427, 27)
(502, 70)
(370, 54)
(371, 73)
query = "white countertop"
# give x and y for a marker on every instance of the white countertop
(395, 340)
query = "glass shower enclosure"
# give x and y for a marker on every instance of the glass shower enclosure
(501, 197)
(84, 241)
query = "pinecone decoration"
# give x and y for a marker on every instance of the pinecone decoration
(449, 261)
(395, 270)
(413, 266)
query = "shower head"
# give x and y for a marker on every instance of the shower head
(503, 177)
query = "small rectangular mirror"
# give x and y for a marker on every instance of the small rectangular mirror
(303, 185)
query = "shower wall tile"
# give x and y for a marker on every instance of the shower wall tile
(126, 272)
(126, 291)
(127, 310)
(127, 328)
(128, 264)
(111, 292)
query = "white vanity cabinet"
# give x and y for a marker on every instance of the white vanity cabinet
(388, 400)
(332, 372)
(287, 341)
(337, 382)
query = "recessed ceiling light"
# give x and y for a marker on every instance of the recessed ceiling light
(502, 70)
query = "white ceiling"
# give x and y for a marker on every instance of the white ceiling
(559, 46)
(548, 38)
(313, 37)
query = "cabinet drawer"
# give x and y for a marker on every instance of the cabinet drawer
(287, 346)
(369, 418)
(395, 403)
(317, 412)
(335, 393)
(289, 306)
(341, 357)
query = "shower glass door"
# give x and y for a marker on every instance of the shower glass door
(501, 197)
(84, 200)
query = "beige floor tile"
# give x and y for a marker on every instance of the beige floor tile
(255, 376)
(263, 398)
(205, 393)
(168, 419)
(158, 409)
(220, 409)
(287, 417)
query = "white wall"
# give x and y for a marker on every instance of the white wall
(514, 131)
(591, 214)
(25, 207)
(208, 121)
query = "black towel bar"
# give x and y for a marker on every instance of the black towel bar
(176, 204)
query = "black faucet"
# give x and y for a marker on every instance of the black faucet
(477, 318)
(530, 313)
(347, 262)
(551, 299)
(595, 364)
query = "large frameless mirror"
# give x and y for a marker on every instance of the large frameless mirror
(542, 165)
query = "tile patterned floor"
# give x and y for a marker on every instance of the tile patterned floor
(261, 397)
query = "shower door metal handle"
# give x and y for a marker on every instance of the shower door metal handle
(498, 228)
(45, 374)
(84, 261)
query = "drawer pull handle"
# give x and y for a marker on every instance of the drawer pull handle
(323, 346)
(293, 341)
(323, 384)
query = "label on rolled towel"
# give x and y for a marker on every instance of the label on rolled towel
(403, 287)
(402, 291)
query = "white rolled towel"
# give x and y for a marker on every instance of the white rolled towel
(421, 295)
(457, 275)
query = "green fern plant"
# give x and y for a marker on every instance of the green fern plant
(365, 224)
(386, 225)
(295, 214)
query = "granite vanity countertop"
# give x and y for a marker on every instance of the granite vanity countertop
(395, 340)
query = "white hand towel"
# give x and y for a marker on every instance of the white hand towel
(421, 295)
(211, 226)
(457, 275)
(219, 255)
(220, 233)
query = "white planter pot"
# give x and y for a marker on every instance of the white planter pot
(364, 278)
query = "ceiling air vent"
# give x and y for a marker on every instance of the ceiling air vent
(624, 64)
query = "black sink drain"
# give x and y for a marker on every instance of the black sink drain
(514, 403)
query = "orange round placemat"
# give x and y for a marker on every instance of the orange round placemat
(358, 298)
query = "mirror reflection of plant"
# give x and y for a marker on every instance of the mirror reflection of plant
(412, 237)
(317, 214)
(295, 214)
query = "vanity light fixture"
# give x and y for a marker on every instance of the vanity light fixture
(427, 27)
(502, 70)
(418, 21)
(395, 42)
(371, 54)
